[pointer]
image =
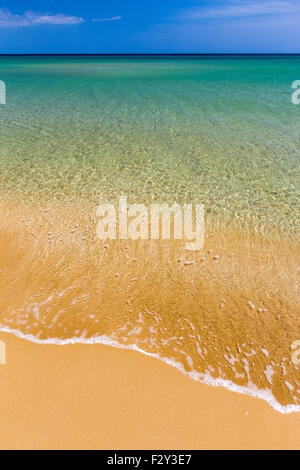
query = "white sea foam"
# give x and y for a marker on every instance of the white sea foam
(251, 390)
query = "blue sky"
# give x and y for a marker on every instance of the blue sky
(140, 26)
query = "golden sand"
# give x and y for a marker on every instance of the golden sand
(228, 311)
(97, 397)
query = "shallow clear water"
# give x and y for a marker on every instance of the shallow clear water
(218, 130)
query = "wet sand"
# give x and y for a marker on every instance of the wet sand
(98, 397)
(228, 311)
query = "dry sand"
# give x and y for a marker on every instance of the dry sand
(98, 397)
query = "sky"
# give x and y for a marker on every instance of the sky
(156, 26)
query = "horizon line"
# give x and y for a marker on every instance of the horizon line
(147, 53)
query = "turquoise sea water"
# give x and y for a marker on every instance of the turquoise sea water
(220, 130)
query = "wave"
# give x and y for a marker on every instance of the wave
(251, 390)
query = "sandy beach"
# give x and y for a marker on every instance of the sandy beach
(99, 397)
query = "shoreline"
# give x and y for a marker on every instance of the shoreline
(226, 314)
(264, 395)
(99, 397)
